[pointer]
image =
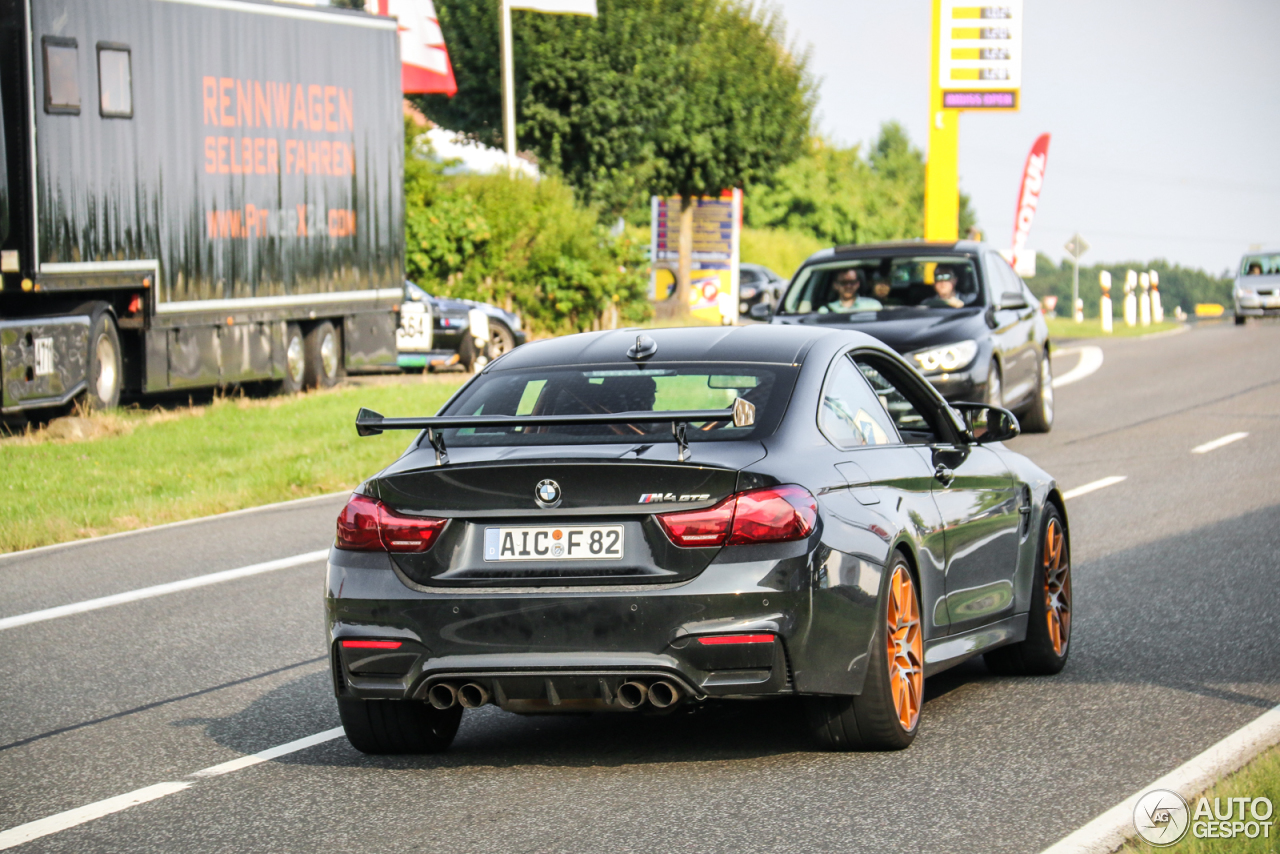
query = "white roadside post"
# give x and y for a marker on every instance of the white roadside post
(1157, 310)
(1104, 305)
(556, 7)
(1144, 301)
(1130, 299)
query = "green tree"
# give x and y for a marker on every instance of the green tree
(839, 196)
(673, 97)
(1179, 286)
(530, 246)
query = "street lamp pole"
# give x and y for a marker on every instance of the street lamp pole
(508, 88)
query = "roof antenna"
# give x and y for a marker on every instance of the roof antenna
(644, 348)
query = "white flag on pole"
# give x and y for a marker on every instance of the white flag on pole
(561, 7)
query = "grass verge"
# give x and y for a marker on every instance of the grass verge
(1259, 779)
(146, 468)
(1066, 328)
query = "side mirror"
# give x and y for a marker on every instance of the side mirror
(985, 424)
(1013, 299)
(761, 311)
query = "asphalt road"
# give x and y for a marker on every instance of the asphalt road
(1175, 647)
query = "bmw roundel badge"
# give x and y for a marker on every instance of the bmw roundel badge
(547, 494)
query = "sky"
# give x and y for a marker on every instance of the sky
(1164, 116)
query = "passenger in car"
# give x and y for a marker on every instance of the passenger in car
(944, 285)
(845, 286)
(1255, 269)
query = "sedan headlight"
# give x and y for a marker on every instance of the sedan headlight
(952, 357)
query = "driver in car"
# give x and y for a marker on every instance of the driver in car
(845, 286)
(944, 286)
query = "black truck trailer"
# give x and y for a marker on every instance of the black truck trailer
(196, 193)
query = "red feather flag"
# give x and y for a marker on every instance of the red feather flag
(424, 59)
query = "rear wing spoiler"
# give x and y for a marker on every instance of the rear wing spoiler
(370, 423)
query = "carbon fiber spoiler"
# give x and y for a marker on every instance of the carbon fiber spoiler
(370, 423)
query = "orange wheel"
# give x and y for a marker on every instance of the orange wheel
(905, 648)
(1057, 586)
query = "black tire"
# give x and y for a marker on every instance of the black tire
(1240, 319)
(295, 361)
(323, 347)
(1040, 654)
(106, 369)
(993, 393)
(1039, 418)
(500, 339)
(398, 726)
(872, 720)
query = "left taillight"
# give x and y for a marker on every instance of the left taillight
(366, 525)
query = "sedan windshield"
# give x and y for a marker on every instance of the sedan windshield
(1261, 265)
(584, 390)
(878, 284)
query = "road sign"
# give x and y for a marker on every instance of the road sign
(1076, 246)
(980, 55)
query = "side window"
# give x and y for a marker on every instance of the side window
(61, 80)
(851, 415)
(912, 413)
(115, 81)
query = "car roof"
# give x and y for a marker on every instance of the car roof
(891, 247)
(760, 343)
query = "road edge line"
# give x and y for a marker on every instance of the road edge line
(1091, 359)
(1114, 828)
(1094, 486)
(270, 753)
(193, 520)
(68, 819)
(58, 822)
(155, 590)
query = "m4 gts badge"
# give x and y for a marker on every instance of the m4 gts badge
(652, 497)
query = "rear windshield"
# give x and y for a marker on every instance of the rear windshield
(883, 284)
(1260, 265)
(583, 390)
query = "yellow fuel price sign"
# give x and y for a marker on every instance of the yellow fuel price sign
(980, 55)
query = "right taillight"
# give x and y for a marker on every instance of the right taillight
(366, 525)
(774, 514)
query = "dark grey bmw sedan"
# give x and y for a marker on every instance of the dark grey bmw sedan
(651, 521)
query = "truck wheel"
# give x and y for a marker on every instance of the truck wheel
(105, 369)
(1240, 320)
(295, 361)
(322, 365)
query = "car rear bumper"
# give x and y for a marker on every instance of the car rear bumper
(539, 649)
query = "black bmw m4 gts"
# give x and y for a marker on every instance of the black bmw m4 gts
(625, 521)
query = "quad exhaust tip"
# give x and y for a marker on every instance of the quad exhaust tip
(631, 695)
(443, 695)
(664, 694)
(472, 695)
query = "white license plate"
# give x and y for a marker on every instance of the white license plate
(554, 542)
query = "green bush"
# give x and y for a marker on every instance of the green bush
(780, 250)
(523, 244)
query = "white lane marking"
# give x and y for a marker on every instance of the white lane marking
(71, 818)
(1091, 487)
(270, 753)
(159, 590)
(1218, 443)
(1109, 831)
(178, 524)
(1090, 361)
